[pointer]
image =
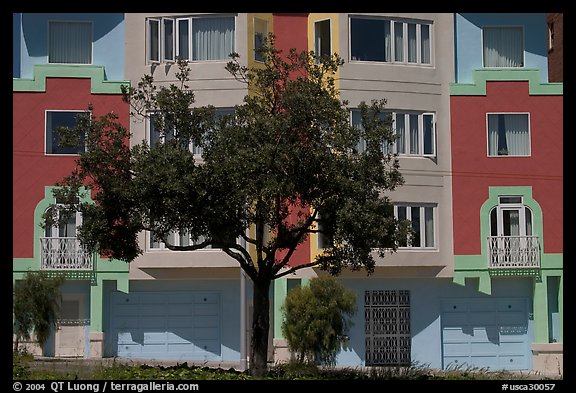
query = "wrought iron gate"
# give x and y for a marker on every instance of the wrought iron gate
(387, 319)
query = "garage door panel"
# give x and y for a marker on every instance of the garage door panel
(492, 333)
(167, 325)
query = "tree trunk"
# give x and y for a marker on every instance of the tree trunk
(260, 327)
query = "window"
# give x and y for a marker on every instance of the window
(415, 133)
(503, 46)
(510, 218)
(63, 229)
(324, 240)
(190, 38)
(322, 41)
(69, 42)
(174, 238)
(154, 136)
(550, 35)
(55, 120)
(508, 134)
(260, 33)
(396, 41)
(422, 218)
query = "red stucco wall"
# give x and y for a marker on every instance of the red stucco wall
(32, 169)
(474, 171)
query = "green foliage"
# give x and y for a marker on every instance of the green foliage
(36, 301)
(317, 319)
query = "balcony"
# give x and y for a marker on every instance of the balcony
(64, 253)
(514, 253)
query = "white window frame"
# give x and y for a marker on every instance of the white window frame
(519, 207)
(392, 23)
(407, 139)
(77, 111)
(165, 58)
(508, 155)
(55, 229)
(71, 21)
(149, 32)
(503, 26)
(422, 208)
(176, 39)
(317, 39)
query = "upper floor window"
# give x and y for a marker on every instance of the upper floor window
(190, 38)
(510, 218)
(550, 35)
(322, 40)
(415, 133)
(55, 120)
(260, 33)
(61, 228)
(422, 218)
(503, 46)
(508, 134)
(70, 42)
(390, 41)
(155, 136)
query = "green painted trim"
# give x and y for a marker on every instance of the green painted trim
(96, 296)
(97, 75)
(540, 309)
(280, 293)
(561, 307)
(481, 76)
(101, 265)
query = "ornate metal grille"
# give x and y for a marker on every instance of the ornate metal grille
(387, 318)
(64, 253)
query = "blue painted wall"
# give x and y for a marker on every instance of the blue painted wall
(230, 308)
(468, 41)
(108, 36)
(16, 36)
(426, 296)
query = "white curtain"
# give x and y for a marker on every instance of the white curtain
(412, 54)
(398, 41)
(70, 42)
(517, 138)
(503, 47)
(425, 44)
(387, 42)
(493, 135)
(213, 38)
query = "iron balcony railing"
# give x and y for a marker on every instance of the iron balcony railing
(64, 253)
(513, 252)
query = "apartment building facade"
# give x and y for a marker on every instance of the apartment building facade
(434, 302)
(61, 64)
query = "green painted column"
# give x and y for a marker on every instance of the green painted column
(540, 305)
(561, 307)
(280, 292)
(96, 297)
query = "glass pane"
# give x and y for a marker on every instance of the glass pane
(363, 34)
(398, 41)
(401, 216)
(168, 25)
(68, 228)
(322, 38)
(415, 218)
(412, 54)
(425, 44)
(414, 137)
(260, 32)
(184, 39)
(401, 133)
(429, 226)
(515, 134)
(70, 42)
(55, 120)
(528, 214)
(428, 134)
(212, 38)
(511, 222)
(503, 47)
(493, 222)
(154, 40)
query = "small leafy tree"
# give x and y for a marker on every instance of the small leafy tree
(36, 301)
(317, 319)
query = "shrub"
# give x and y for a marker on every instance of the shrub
(317, 319)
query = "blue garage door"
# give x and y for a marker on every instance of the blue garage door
(166, 325)
(486, 333)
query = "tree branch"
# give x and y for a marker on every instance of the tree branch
(295, 268)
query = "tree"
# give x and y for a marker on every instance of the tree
(288, 150)
(36, 301)
(316, 319)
